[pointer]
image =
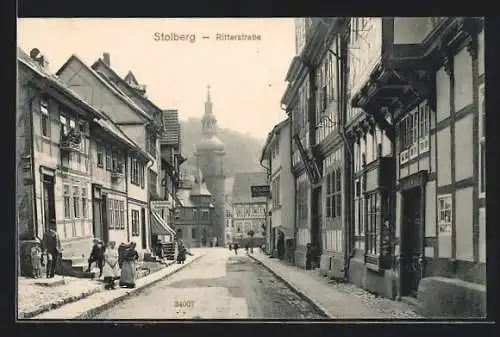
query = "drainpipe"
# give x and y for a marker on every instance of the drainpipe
(126, 191)
(268, 172)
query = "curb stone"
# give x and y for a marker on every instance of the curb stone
(96, 310)
(296, 289)
(58, 304)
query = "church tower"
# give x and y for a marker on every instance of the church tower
(210, 159)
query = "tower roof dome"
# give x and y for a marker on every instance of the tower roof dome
(210, 144)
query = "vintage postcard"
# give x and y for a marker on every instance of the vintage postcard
(253, 168)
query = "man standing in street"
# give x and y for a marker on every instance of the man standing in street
(52, 246)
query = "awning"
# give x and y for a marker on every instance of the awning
(159, 226)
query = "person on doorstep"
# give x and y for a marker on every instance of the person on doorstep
(52, 246)
(36, 259)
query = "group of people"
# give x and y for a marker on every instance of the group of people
(50, 247)
(115, 263)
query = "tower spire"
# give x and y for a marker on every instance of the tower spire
(208, 94)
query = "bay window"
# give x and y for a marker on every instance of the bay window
(414, 132)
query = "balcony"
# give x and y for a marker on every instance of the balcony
(71, 141)
(117, 175)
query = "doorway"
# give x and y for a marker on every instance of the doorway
(143, 228)
(49, 210)
(411, 232)
(316, 224)
(97, 213)
(104, 218)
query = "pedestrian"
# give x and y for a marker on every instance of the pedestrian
(97, 255)
(121, 253)
(36, 259)
(111, 269)
(52, 246)
(308, 256)
(181, 254)
(236, 248)
(246, 247)
(230, 247)
(128, 272)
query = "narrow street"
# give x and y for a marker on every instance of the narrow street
(220, 285)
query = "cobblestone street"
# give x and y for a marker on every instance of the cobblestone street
(220, 285)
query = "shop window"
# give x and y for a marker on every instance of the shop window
(372, 223)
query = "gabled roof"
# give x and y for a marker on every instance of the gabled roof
(242, 186)
(277, 128)
(100, 117)
(54, 80)
(115, 90)
(172, 128)
(118, 78)
(130, 78)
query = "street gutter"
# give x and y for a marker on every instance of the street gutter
(295, 289)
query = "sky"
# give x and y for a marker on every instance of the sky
(246, 78)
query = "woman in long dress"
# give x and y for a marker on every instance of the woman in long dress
(111, 269)
(128, 273)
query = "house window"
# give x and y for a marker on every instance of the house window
(45, 119)
(135, 222)
(359, 208)
(193, 233)
(111, 214)
(114, 161)
(136, 170)
(276, 192)
(108, 158)
(76, 202)
(67, 202)
(482, 141)
(84, 203)
(117, 223)
(372, 223)
(444, 214)
(64, 124)
(205, 215)
(122, 215)
(100, 155)
(195, 214)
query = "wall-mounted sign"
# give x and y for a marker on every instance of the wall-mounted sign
(260, 191)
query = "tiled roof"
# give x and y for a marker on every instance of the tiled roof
(118, 78)
(242, 183)
(184, 196)
(102, 119)
(199, 187)
(107, 82)
(172, 128)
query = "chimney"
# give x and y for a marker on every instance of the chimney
(106, 59)
(39, 58)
